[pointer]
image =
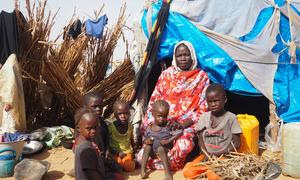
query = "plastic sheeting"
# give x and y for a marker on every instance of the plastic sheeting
(235, 51)
(231, 17)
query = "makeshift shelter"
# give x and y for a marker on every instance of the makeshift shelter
(252, 47)
(55, 74)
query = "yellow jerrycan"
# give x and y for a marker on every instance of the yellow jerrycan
(250, 136)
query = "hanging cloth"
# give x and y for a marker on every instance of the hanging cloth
(95, 28)
(9, 35)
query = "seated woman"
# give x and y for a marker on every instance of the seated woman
(183, 86)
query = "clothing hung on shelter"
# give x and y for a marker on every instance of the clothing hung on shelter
(95, 28)
(75, 29)
(9, 35)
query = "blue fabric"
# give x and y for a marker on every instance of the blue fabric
(287, 77)
(222, 69)
(95, 28)
(212, 59)
(12, 137)
(284, 28)
(279, 2)
(295, 9)
(263, 18)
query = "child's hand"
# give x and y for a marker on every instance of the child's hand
(164, 142)
(149, 141)
(121, 155)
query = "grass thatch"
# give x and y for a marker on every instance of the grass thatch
(70, 68)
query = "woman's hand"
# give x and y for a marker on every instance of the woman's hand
(187, 123)
(173, 126)
(148, 141)
(7, 107)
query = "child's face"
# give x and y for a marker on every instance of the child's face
(96, 105)
(160, 115)
(88, 126)
(122, 113)
(215, 101)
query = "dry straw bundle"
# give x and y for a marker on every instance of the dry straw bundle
(237, 166)
(34, 28)
(70, 68)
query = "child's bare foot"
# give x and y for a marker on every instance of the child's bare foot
(168, 176)
(71, 172)
(143, 175)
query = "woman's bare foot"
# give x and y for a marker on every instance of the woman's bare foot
(168, 176)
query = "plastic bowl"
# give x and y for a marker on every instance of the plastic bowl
(32, 147)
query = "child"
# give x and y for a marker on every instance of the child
(218, 129)
(94, 102)
(120, 135)
(158, 138)
(88, 161)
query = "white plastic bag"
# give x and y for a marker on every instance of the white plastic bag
(272, 145)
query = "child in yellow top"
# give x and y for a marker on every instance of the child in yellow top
(120, 135)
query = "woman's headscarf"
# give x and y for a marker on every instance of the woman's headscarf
(193, 55)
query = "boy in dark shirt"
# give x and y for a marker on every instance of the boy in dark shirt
(89, 164)
(94, 102)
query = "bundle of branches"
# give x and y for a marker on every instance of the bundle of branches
(100, 51)
(71, 69)
(237, 166)
(58, 79)
(112, 86)
(92, 56)
(60, 68)
(37, 27)
(72, 54)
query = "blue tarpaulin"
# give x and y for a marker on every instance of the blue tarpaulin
(222, 68)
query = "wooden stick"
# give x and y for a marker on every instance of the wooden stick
(207, 155)
(237, 153)
(233, 146)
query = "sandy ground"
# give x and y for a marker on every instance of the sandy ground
(62, 161)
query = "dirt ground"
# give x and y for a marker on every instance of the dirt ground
(62, 161)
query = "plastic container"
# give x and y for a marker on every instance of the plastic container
(250, 136)
(7, 162)
(290, 149)
(18, 146)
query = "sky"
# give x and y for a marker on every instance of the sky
(85, 9)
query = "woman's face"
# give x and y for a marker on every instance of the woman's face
(183, 57)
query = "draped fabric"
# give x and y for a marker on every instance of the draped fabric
(11, 92)
(252, 47)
